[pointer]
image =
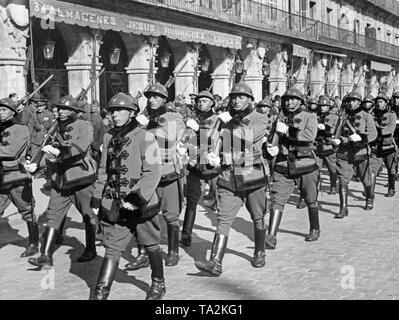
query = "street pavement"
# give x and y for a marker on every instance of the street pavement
(355, 258)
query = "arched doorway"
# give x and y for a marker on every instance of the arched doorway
(205, 68)
(113, 57)
(165, 65)
(49, 57)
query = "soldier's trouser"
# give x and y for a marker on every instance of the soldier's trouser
(193, 190)
(390, 161)
(170, 198)
(283, 187)
(345, 171)
(330, 162)
(117, 236)
(60, 202)
(230, 203)
(22, 197)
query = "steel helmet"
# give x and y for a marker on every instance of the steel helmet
(241, 88)
(9, 103)
(354, 95)
(39, 99)
(382, 96)
(311, 100)
(68, 102)
(295, 93)
(368, 98)
(157, 89)
(395, 94)
(265, 102)
(324, 101)
(123, 101)
(205, 94)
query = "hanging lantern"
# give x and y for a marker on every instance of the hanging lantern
(324, 61)
(48, 49)
(239, 66)
(205, 64)
(115, 56)
(165, 59)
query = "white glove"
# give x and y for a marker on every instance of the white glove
(355, 138)
(273, 151)
(101, 148)
(321, 126)
(397, 121)
(282, 128)
(213, 159)
(51, 150)
(143, 120)
(192, 124)
(225, 117)
(336, 142)
(181, 149)
(129, 206)
(95, 210)
(30, 167)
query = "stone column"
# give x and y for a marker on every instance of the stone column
(278, 72)
(223, 61)
(374, 84)
(13, 34)
(347, 79)
(301, 75)
(391, 81)
(318, 75)
(333, 78)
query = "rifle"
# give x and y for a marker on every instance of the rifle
(171, 79)
(37, 157)
(342, 120)
(140, 94)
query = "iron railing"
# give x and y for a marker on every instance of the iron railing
(391, 6)
(254, 14)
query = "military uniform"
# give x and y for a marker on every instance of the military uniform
(205, 121)
(73, 175)
(15, 184)
(395, 109)
(355, 154)
(242, 180)
(295, 165)
(384, 148)
(42, 124)
(129, 173)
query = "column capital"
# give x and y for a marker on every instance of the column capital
(81, 66)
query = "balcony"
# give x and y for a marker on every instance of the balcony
(252, 14)
(390, 6)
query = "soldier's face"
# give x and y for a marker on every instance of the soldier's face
(204, 104)
(6, 114)
(155, 101)
(65, 113)
(263, 109)
(121, 116)
(240, 102)
(293, 104)
(396, 101)
(381, 104)
(368, 105)
(313, 106)
(41, 108)
(353, 104)
(324, 109)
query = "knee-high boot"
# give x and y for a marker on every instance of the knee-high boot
(46, 257)
(105, 279)
(214, 265)
(391, 185)
(314, 233)
(274, 223)
(33, 232)
(158, 288)
(60, 236)
(90, 233)
(141, 261)
(333, 183)
(369, 192)
(188, 225)
(343, 201)
(172, 257)
(258, 260)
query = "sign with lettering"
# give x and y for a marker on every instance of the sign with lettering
(58, 11)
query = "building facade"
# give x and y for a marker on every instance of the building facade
(321, 47)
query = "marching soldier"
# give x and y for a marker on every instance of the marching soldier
(354, 151)
(384, 148)
(72, 180)
(203, 121)
(312, 105)
(15, 184)
(368, 104)
(295, 164)
(325, 148)
(243, 176)
(395, 109)
(125, 192)
(167, 127)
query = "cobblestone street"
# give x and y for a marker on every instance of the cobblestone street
(355, 258)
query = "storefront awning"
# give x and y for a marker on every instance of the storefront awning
(331, 53)
(100, 19)
(300, 51)
(381, 66)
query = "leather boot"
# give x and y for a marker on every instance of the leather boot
(90, 252)
(314, 233)
(391, 185)
(105, 279)
(172, 257)
(369, 193)
(46, 257)
(333, 183)
(258, 260)
(343, 200)
(188, 225)
(33, 231)
(301, 203)
(141, 261)
(158, 288)
(274, 222)
(214, 265)
(60, 235)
